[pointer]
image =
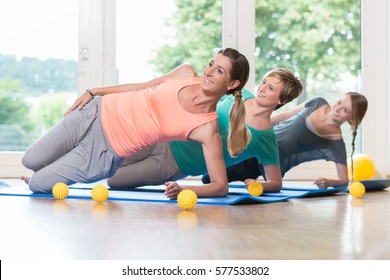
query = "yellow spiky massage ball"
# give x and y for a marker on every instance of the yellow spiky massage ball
(255, 188)
(60, 190)
(357, 189)
(99, 193)
(187, 199)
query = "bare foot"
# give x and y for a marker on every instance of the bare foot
(26, 179)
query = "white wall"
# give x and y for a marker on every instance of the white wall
(376, 82)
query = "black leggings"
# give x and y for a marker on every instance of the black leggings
(247, 169)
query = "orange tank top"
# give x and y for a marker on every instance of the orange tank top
(137, 119)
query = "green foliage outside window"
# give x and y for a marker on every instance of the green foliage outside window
(317, 39)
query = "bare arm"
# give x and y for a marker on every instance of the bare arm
(286, 115)
(342, 173)
(212, 150)
(182, 71)
(274, 179)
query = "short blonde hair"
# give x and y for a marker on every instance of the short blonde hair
(292, 86)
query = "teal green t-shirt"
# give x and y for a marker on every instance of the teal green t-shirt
(189, 155)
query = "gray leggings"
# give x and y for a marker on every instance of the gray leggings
(74, 151)
(154, 165)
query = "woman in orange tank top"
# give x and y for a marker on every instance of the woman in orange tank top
(80, 149)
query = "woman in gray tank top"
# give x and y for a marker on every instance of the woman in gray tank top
(311, 131)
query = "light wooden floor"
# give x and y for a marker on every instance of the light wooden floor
(334, 227)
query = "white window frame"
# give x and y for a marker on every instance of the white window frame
(97, 37)
(96, 66)
(376, 83)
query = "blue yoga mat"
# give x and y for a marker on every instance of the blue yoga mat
(293, 191)
(289, 191)
(237, 193)
(142, 195)
(301, 191)
(375, 184)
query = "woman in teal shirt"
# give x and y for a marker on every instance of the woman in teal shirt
(311, 131)
(168, 162)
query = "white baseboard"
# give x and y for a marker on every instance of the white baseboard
(11, 165)
(312, 170)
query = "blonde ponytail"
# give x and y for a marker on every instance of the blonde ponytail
(239, 135)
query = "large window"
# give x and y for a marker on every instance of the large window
(321, 43)
(47, 55)
(38, 68)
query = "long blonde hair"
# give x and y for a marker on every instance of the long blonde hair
(359, 108)
(239, 135)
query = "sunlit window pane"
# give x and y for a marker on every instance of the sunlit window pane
(38, 67)
(152, 41)
(141, 30)
(320, 42)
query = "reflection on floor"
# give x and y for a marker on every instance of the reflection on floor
(331, 227)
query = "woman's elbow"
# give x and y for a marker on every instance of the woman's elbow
(273, 187)
(222, 190)
(342, 182)
(278, 186)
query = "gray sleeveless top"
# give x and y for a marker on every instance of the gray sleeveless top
(298, 144)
